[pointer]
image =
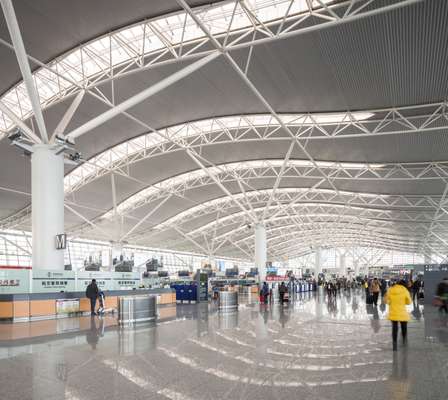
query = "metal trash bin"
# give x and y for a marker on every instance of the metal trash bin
(228, 320)
(245, 291)
(136, 309)
(228, 301)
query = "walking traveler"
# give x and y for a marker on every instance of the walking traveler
(375, 289)
(442, 295)
(397, 297)
(92, 294)
(281, 291)
(264, 293)
(383, 286)
(369, 297)
(365, 285)
(416, 287)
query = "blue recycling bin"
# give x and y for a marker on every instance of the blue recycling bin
(185, 292)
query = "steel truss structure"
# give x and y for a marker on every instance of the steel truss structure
(260, 128)
(297, 219)
(368, 215)
(263, 169)
(250, 170)
(176, 37)
(304, 211)
(299, 203)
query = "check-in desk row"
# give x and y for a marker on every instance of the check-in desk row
(23, 307)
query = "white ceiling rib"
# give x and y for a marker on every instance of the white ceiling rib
(306, 189)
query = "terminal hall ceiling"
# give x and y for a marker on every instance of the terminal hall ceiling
(326, 121)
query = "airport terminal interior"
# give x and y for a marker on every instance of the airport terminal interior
(223, 199)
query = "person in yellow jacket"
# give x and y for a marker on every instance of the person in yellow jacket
(397, 297)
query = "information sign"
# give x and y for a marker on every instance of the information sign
(61, 241)
(67, 306)
(49, 281)
(14, 280)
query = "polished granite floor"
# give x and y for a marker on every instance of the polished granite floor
(311, 349)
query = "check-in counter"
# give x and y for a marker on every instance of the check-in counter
(34, 306)
(133, 309)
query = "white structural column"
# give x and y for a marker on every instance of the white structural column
(47, 199)
(342, 269)
(260, 251)
(356, 267)
(318, 262)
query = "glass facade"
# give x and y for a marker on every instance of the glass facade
(365, 257)
(15, 250)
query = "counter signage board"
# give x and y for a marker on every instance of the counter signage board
(14, 280)
(49, 281)
(103, 280)
(126, 280)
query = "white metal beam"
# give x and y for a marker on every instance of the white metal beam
(220, 185)
(88, 221)
(15, 244)
(257, 93)
(148, 215)
(20, 124)
(65, 120)
(260, 31)
(141, 96)
(203, 249)
(19, 48)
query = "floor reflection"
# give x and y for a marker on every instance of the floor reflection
(309, 348)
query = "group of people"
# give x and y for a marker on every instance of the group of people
(373, 289)
(397, 296)
(266, 294)
(334, 286)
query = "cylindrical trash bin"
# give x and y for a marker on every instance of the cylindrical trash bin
(228, 301)
(245, 294)
(244, 290)
(136, 309)
(228, 320)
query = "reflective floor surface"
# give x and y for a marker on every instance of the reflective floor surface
(310, 349)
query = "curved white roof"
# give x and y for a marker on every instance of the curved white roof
(311, 114)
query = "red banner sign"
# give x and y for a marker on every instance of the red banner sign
(276, 278)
